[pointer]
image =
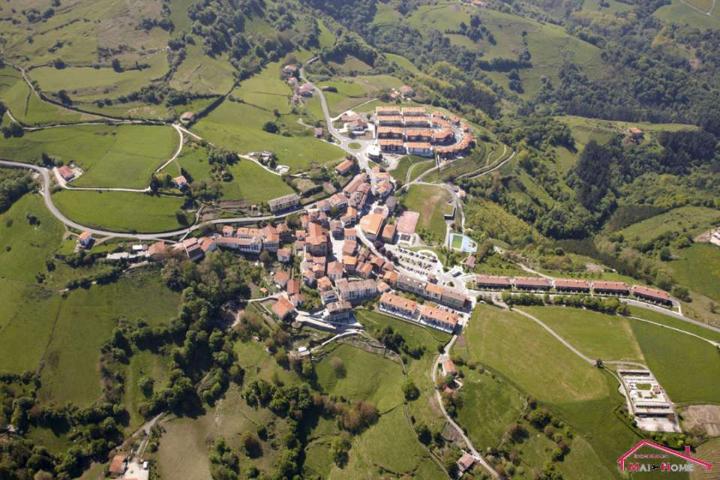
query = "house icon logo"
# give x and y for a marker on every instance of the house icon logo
(648, 456)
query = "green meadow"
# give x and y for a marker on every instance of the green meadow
(26, 107)
(431, 202)
(201, 74)
(549, 45)
(609, 337)
(250, 182)
(413, 165)
(689, 220)
(523, 354)
(85, 320)
(185, 445)
(124, 156)
(120, 211)
(87, 84)
(238, 127)
(698, 267)
(359, 379)
(682, 364)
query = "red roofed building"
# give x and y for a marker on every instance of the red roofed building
(283, 308)
(118, 465)
(610, 288)
(397, 305)
(572, 285)
(66, 173)
(533, 283)
(438, 318)
(492, 282)
(652, 294)
(345, 167)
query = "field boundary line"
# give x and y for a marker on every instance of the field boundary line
(711, 342)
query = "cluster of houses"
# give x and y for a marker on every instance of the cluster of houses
(411, 130)
(291, 73)
(572, 285)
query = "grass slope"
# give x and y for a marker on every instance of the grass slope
(85, 320)
(594, 334)
(431, 202)
(684, 365)
(123, 156)
(699, 268)
(120, 211)
(359, 381)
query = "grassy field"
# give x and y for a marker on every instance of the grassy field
(595, 334)
(416, 165)
(431, 202)
(356, 90)
(388, 446)
(250, 182)
(699, 268)
(358, 381)
(61, 336)
(513, 347)
(143, 364)
(425, 408)
(199, 73)
(120, 211)
(675, 323)
(488, 220)
(549, 45)
(681, 13)
(691, 220)
(85, 320)
(27, 107)
(185, 444)
(510, 344)
(123, 156)
(238, 126)
(87, 84)
(710, 452)
(254, 184)
(414, 336)
(586, 129)
(490, 406)
(669, 355)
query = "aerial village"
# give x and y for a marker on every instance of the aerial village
(359, 247)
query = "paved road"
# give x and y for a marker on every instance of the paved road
(343, 141)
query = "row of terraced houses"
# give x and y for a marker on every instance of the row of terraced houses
(572, 285)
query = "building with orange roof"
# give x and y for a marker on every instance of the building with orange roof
(438, 318)
(397, 305)
(418, 134)
(283, 308)
(390, 121)
(382, 110)
(371, 224)
(388, 233)
(652, 294)
(390, 132)
(610, 288)
(391, 145)
(414, 111)
(423, 149)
